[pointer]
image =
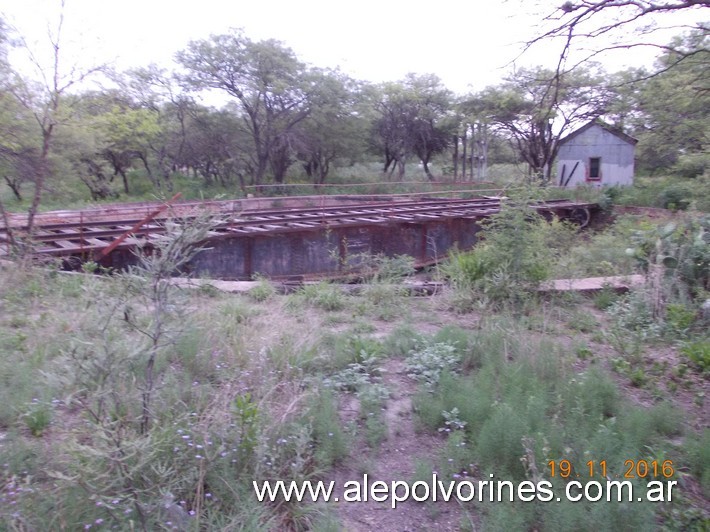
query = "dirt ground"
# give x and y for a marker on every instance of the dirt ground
(394, 460)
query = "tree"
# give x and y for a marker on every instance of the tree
(212, 144)
(336, 127)
(411, 121)
(157, 98)
(619, 24)
(672, 121)
(44, 100)
(536, 107)
(269, 84)
(19, 153)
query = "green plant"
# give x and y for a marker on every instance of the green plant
(324, 295)
(675, 197)
(262, 291)
(427, 364)
(605, 298)
(584, 352)
(388, 270)
(499, 445)
(632, 325)
(582, 322)
(402, 340)
(518, 252)
(699, 353)
(372, 399)
(677, 256)
(465, 269)
(698, 452)
(455, 457)
(679, 318)
(353, 378)
(246, 412)
(330, 440)
(452, 421)
(37, 418)
(638, 377)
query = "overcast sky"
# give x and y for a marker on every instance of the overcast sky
(469, 44)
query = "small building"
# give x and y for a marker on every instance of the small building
(596, 154)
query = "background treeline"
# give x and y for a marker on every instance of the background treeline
(278, 120)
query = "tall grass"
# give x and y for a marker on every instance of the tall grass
(525, 407)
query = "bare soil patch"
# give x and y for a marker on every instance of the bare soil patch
(394, 460)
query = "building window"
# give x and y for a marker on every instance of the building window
(595, 168)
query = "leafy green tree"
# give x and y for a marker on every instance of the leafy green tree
(129, 134)
(673, 122)
(213, 142)
(19, 153)
(269, 85)
(412, 121)
(337, 126)
(535, 107)
(19, 157)
(156, 94)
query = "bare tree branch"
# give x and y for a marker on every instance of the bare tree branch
(621, 25)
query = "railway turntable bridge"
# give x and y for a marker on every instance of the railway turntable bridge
(297, 239)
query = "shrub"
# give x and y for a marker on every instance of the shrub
(691, 165)
(680, 250)
(517, 253)
(427, 364)
(605, 298)
(675, 197)
(698, 449)
(330, 440)
(402, 340)
(263, 291)
(38, 417)
(464, 270)
(499, 445)
(324, 295)
(699, 353)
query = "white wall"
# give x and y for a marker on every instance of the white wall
(617, 158)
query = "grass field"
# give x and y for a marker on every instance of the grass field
(129, 403)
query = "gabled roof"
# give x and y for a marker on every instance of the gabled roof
(607, 127)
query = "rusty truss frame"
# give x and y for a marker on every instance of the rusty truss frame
(108, 235)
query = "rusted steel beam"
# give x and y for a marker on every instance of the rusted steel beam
(108, 249)
(310, 242)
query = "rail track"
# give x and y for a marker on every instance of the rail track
(89, 234)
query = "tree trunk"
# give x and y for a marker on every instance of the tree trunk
(456, 157)
(41, 176)
(426, 170)
(464, 139)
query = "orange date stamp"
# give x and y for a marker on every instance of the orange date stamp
(598, 468)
